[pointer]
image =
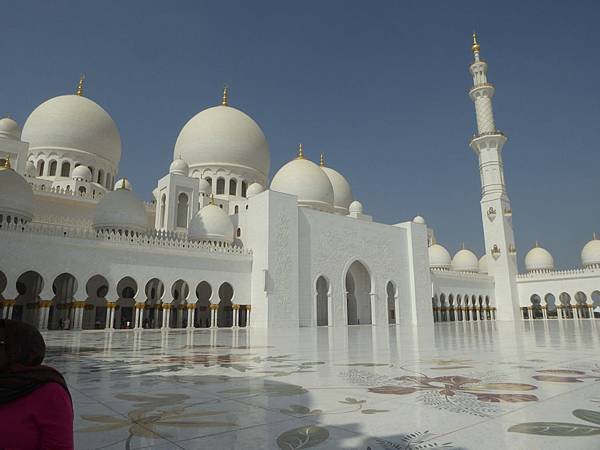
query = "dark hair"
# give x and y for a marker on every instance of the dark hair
(23, 343)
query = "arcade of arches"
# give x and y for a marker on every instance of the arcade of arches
(135, 307)
(451, 308)
(563, 306)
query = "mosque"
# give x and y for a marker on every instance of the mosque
(222, 245)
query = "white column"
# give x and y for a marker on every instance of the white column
(191, 315)
(374, 311)
(213, 316)
(78, 316)
(559, 312)
(43, 315)
(545, 312)
(236, 315)
(108, 309)
(249, 308)
(166, 309)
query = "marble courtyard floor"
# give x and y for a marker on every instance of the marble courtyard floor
(462, 385)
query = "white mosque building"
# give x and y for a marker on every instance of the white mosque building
(221, 245)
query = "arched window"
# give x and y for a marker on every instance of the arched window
(163, 201)
(100, 178)
(82, 190)
(52, 168)
(239, 232)
(220, 186)
(236, 209)
(65, 170)
(232, 186)
(40, 168)
(244, 188)
(209, 181)
(182, 210)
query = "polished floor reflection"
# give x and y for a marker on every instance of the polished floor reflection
(462, 385)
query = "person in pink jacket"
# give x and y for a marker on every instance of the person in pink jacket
(36, 411)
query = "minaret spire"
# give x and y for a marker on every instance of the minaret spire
(300, 152)
(475, 47)
(80, 85)
(322, 160)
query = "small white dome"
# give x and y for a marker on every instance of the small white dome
(254, 189)
(73, 122)
(16, 196)
(204, 186)
(483, 264)
(439, 258)
(355, 207)
(82, 173)
(465, 261)
(539, 259)
(590, 254)
(30, 171)
(121, 210)
(123, 183)
(223, 136)
(179, 167)
(419, 219)
(342, 193)
(305, 180)
(211, 223)
(9, 129)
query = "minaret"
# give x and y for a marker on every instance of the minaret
(496, 213)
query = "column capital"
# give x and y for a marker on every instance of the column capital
(45, 303)
(235, 306)
(140, 305)
(111, 305)
(191, 306)
(248, 307)
(214, 306)
(165, 305)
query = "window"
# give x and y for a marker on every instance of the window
(65, 170)
(100, 178)
(182, 210)
(220, 186)
(82, 190)
(239, 232)
(236, 209)
(163, 201)
(52, 172)
(40, 168)
(244, 188)
(232, 186)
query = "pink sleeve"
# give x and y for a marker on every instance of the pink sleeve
(55, 418)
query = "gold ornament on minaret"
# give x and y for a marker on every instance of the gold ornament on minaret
(475, 47)
(80, 85)
(322, 161)
(300, 152)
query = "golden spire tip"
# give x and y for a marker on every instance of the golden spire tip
(225, 99)
(300, 152)
(475, 47)
(80, 85)
(537, 244)
(322, 161)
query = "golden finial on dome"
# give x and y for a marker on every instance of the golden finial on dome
(475, 47)
(322, 161)
(80, 85)
(536, 245)
(224, 100)
(594, 236)
(300, 152)
(462, 246)
(6, 164)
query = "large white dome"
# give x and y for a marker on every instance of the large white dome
(465, 261)
(16, 196)
(73, 122)
(305, 180)
(590, 254)
(342, 193)
(211, 223)
(538, 259)
(483, 264)
(121, 210)
(439, 258)
(226, 137)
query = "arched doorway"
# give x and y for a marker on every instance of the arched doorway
(203, 293)
(225, 312)
(391, 301)
(94, 315)
(595, 297)
(536, 307)
(151, 317)
(29, 285)
(565, 301)
(124, 315)
(322, 298)
(180, 292)
(582, 309)
(358, 294)
(61, 314)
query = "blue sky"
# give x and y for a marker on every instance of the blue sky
(380, 87)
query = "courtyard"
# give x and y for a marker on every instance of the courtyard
(461, 385)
